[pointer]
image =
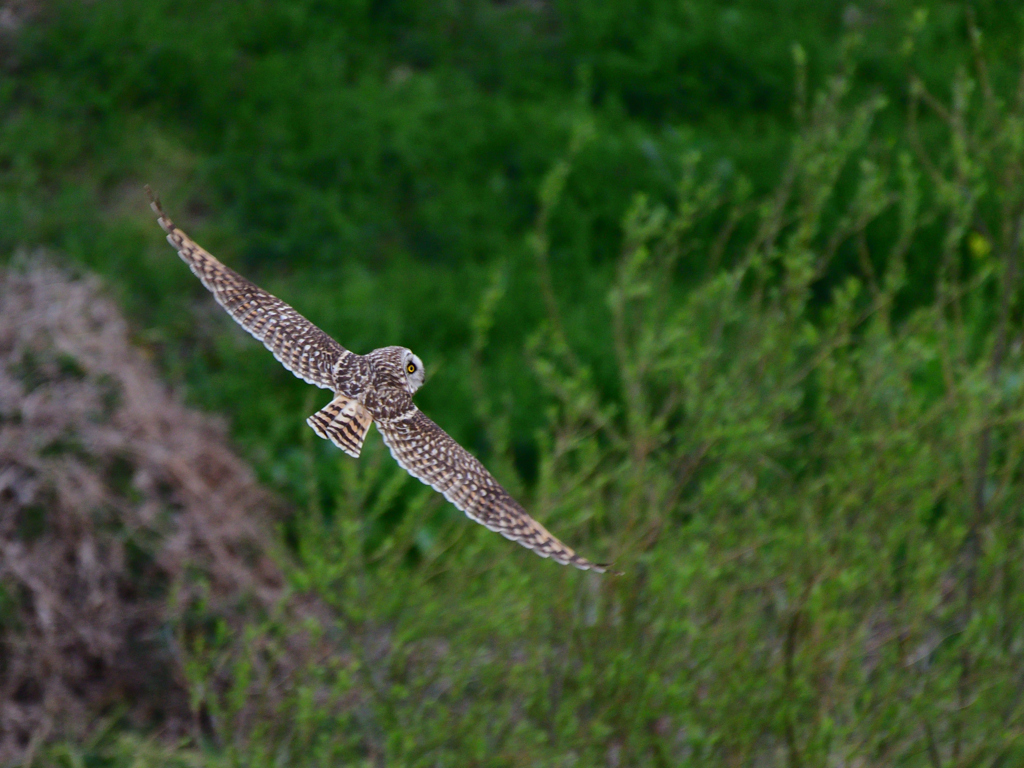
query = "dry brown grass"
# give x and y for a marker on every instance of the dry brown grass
(120, 510)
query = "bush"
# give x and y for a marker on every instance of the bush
(124, 518)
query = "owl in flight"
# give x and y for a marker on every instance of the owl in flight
(376, 387)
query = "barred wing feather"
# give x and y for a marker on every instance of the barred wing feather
(299, 346)
(429, 454)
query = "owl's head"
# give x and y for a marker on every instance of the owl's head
(412, 367)
(397, 367)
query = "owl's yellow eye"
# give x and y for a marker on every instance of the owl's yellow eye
(411, 367)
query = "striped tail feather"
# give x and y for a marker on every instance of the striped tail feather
(344, 422)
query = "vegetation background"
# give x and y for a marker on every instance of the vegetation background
(726, 292)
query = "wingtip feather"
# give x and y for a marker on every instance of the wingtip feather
(154, 203)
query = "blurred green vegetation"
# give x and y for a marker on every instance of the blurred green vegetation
(729, 293)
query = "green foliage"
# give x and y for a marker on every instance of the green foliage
(816, 505)
(787, 400)
(367, 150)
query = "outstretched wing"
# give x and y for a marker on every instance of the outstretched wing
(426, 452)
(299, 345)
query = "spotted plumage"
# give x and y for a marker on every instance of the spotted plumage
(376, 387)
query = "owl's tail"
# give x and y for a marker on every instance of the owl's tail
(344, 422)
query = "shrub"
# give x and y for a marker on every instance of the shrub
(123, 517)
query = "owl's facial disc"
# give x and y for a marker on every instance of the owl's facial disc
(413, 371)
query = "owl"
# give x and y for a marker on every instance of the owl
(373, 388)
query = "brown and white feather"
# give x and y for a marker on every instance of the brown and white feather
(429, 454)
(344, 422)
(299, 346)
